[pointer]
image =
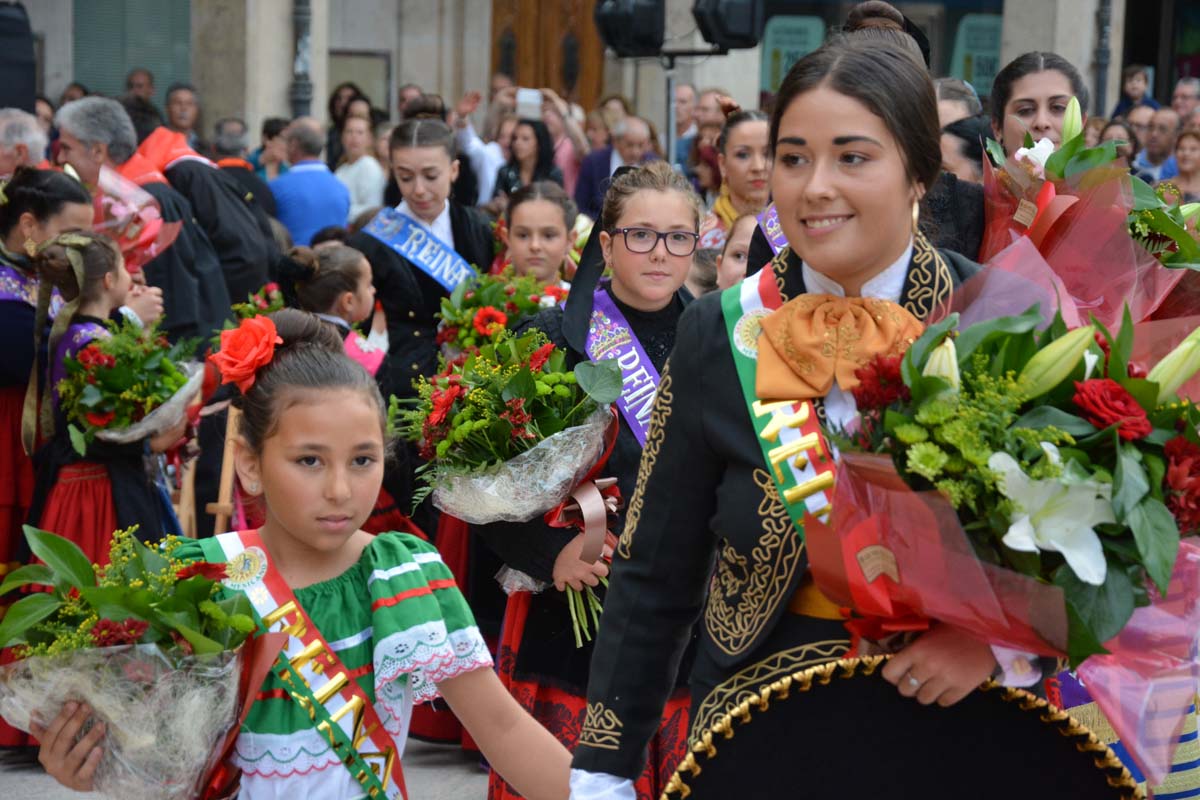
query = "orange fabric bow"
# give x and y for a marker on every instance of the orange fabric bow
(815, 339)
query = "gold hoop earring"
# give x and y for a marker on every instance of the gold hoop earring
(916, 217)
(31, 247)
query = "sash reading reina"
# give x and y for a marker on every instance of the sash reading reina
(415, 243)
(798, 456)
(314, 676)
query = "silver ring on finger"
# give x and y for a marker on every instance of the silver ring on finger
(913, 682)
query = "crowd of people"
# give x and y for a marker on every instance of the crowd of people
(874, 169)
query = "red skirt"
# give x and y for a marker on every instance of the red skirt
(387, 516)
(16, 488)
(562, 712)
(435, 722)
(80, 507)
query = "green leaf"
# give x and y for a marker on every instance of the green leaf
(1144, 391)
(1081, 642)
(520, 385)
(1144, 196)
(37, 574)
(1156, 469)
(110, 602)
(982, 333)
(1056, 164)
(1049, 416)
(90, 396)
(1091, 158)
(78, 440)
(1130, 482)
(601, 380)
(1157, 536)
(996, 151)
(24, 614)
(201, 644)
(1028, 141)
(61, 555)
(1103, 609)
(1122, 349)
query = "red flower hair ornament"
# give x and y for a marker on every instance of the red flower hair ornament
(245, 350)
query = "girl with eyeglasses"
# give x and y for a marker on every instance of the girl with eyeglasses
(647, 238)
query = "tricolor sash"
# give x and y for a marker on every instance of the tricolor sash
(768, 220)
(798, 456)
(611, 336)
(415, 243)
(312, 672)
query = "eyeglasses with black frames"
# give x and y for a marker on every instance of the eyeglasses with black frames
(644, 240)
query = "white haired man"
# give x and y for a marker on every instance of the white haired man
(22, 141)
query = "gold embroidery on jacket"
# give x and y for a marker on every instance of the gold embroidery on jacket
(654, 439)
(743, 597)
(601, 728)
(751, 680)
(930, 281)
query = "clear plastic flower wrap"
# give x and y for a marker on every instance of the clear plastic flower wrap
(513, 580)
(165, 717)
(527, 485)
(165, 416)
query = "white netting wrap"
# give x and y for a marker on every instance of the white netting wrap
(165, 416)
(513, 580)
(532, 483)
(163, 718)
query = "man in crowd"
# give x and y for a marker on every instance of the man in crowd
(1186, 98)
(631, 144)
(238, 230)
(1157, 158)
(231, 146)
(183, 114)
(408, 93)
(22, 141)
(140, 81)
(708, 107)
(308, 197)
(685, 123)
(96, 132)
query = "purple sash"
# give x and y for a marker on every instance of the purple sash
(611, 336)
(768, 220)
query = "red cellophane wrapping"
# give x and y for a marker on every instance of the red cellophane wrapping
(130, 215)
(899, 558)
(1081, 231)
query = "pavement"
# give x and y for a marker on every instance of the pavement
(432, 772)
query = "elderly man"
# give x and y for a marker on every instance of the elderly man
(1157, 159)
(631, 145)
(308, 196)
(22, 141)
(1186, 98)
(140, 81)
(231, 146)
(95, 132)
(183, 114)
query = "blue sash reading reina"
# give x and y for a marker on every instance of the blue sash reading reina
(415, 243)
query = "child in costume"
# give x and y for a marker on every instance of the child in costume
(375, 623)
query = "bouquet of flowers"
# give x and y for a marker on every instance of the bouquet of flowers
(1090, 219)
(266, 300)
(144, 643)
(130, 216)
(479, 309)
(511, 434)
(127, 386)
(1031, 488)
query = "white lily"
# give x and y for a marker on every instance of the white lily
(1053, 516)
(1072, 120)
(1037, 156)
(943, 363)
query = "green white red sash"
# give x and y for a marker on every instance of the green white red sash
(310, 669)
(798, 456)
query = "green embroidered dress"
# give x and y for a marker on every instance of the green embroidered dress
(398, 623)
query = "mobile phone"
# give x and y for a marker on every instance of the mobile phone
(529, 103)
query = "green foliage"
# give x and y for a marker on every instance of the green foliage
(513, 296)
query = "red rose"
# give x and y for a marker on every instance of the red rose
(1105, 402)
(535, 298)
(99, 420)
(443, 401)
(510, 290)
(214, 572)
(541, 356)
(1182, 483)
(511, 307)
(90, 357)
(489, 321)
(271, 287)
(245, 350)
(879, 383)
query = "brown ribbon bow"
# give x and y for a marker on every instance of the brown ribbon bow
(815, 339)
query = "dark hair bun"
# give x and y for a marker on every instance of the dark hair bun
(305, 263)
(874, 13)
(54, 267)
(302, 329)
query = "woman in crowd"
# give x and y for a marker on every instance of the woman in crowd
(855, 142)
(599, 135)
(745, 160)
(1030, 95)
(540, 217)
(270, 159)
(339, 105)
(570, 144)
(1187, 156)
(359, 170)
(647, 236)
(962, 148)
(531, 159)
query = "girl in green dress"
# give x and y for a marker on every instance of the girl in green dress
(374, 623)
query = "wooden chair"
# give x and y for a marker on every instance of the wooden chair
(222, 510)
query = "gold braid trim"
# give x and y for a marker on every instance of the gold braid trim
(930, 282)
(704, 749)
(659, 415)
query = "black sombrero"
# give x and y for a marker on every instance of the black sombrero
(840, 730)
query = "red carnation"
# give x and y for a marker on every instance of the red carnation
(879, 383)
(107, 633)
(246, 349)
(489, 321)
(214, 572)
(446, 335)
(518, 417)
(541, 356)
(1105, 402)
(443, 401)
(99, 420)
(557, 292)
(1182, 483)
